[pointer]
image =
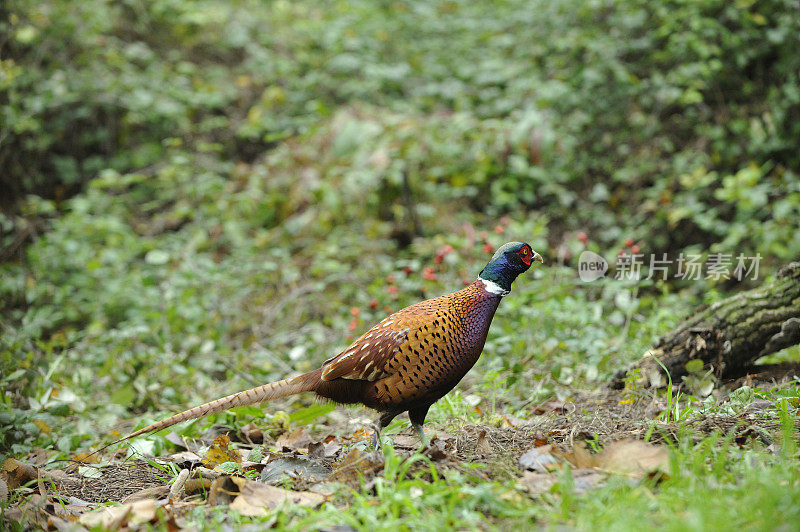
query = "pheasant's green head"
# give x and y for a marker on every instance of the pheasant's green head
(507, 263)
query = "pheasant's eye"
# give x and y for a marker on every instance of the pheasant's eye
(523, 254)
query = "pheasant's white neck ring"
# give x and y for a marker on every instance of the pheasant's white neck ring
(494, 288)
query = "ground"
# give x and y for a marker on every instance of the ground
(486, 474)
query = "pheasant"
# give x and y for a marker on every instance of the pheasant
(406, 362)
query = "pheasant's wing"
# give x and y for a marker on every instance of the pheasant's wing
(366, 358)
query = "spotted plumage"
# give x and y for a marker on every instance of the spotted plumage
(407, 361)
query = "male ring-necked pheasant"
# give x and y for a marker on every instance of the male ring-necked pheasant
(406, 362)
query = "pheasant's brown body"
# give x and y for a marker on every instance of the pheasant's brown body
(412, 358)
(406, 362)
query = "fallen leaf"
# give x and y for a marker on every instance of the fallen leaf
(3, 491)
(176, 440)
(324, 450)
(90, 472)
(219, 453)
(109, 517)
(87, 458)
(39, 457)
(297, 439)
(405, 441)
(155, 492)
(294, 467)
(539, 459)
(186, 459)
(176, 490)
(255, 498)
(17, 473)
(508, 421)
(630, 457)
(633, 457)
(252, 434)
(482, 445)
(356, 465)
(255, 454)
(550, 406)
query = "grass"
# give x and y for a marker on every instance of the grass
(232, 233)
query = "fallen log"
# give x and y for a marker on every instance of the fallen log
(729, 336)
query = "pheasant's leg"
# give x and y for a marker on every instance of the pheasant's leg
(385, 419)
(417, 417)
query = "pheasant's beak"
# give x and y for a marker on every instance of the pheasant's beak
(538, 257)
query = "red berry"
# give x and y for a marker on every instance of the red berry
(353, 324)
(438, 258)
(429, 274)
(373, 304)
(487, 248)
(392, 289)
(499, 229)
(583, 238)
(621, 252)
(390, 279)
(635, 249)
(446, 249)
(354, 311)
(408, 270)
(628, 242)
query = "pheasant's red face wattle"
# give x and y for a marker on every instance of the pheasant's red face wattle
(525, 254)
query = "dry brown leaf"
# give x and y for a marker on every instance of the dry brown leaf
(324, 450)
(155, 492)
(17, 473)
(297, 439)
(185, 458)
(219, 453)
(633, 457)
(550, 406)
(252, 434)
(630, 457)
(405, 441)
(509, 421)
(483, 446)
(539, 459)
(256, 498)
(112, 517)
(87, 458)
(355, 465)
(39, 457)
(176, 490)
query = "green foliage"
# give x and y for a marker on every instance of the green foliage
(674, 123)
(214, 192)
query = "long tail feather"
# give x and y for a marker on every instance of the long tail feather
(259, 394)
